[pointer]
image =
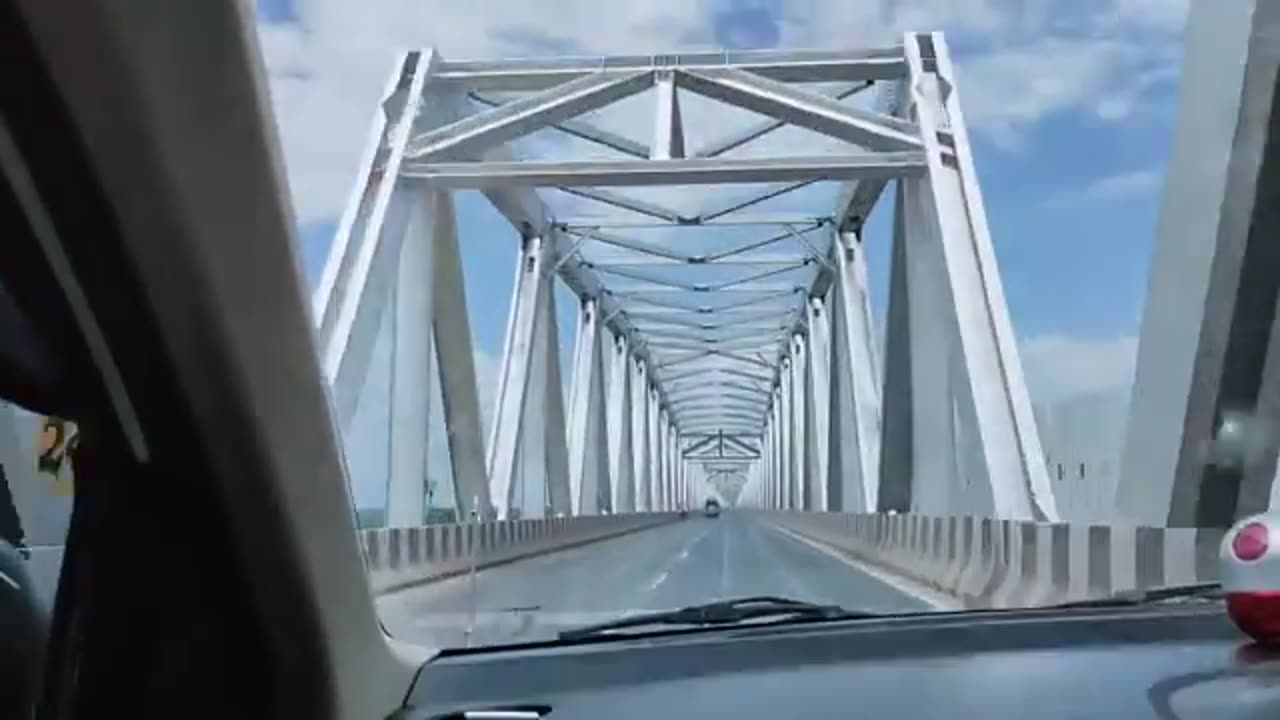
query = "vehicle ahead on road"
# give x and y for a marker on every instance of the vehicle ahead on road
(712, 508)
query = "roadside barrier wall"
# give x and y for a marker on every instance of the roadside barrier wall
(989, 563)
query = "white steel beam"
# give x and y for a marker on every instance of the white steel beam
(713, 425)
(772, 191)
(1201, 445)
(518, 118)
(657, 261)
(606, 222)
(778, 427)
(506, 434)
(663, 490)
(727, 411)
(456, 353)
(918, 439)
(767, 462)
(408, 415)
(755, 321)
(718, 413)
(655, 454)
(667, 345)
(788, 234)
(672, 457)
(621, 434)
(623, 202)
(687, 171)
(550, 392)
(668, 127)
(585, 131)
(799, 426)
(788, 428)
(710, 427)
(626, 243)
(589, 484)
(640, 434)
(711, 378)
(653, 466)
(818, 403)
(711, 390)
(784, 66)
(701, 443)
(853, 457)
(757, 335)
(354, 286)
(673, 472)
(856, 202)
(899, 405)
(650, 291)
(737, 372)
(742, 444)
(524, 209)
(682, 488)
(999, 467)
(712, 394)
(753, 132)
(721, 420)
(804, 109)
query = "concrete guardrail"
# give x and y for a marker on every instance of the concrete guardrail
(401, 557)
(989, 563)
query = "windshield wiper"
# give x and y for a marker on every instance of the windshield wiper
(1130, 598)
(725, 612)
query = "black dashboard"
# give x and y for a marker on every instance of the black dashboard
(1182, 662)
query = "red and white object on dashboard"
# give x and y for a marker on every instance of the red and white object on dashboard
(1250, 555)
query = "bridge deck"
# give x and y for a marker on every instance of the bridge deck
(696, 561)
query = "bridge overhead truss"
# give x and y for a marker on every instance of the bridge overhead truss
(764, 345)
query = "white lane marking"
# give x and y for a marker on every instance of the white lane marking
(10, 581)
(934, 598)
(684, 553)
(695, 541)
(724, 561)
(794, 583)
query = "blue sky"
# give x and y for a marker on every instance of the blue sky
(1070, 169)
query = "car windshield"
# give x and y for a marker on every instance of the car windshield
(735, 320)
(896, 307)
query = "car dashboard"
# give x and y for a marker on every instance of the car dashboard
(1170, 662)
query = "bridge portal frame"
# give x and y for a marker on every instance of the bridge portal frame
(949, 430)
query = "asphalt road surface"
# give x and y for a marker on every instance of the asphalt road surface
(697, 560)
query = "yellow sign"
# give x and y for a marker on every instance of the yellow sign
(54, 447)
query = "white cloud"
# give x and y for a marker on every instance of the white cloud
(1160, 15)
(1080, 391)
(326, 74)
(1112, 187)
(1062, 367)
(488, 366)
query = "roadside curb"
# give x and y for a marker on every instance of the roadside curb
(935, 598)
(452, 572)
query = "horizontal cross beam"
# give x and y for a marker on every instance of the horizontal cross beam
(684, 171)
(794, 66)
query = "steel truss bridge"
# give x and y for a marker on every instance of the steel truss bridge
(723, 350)
(711, 217)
